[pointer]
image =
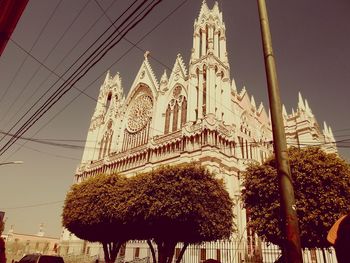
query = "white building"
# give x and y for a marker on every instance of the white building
(193, 113)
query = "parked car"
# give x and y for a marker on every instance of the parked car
(38, 258)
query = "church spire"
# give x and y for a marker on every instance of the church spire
(209, 33)
(209, 67)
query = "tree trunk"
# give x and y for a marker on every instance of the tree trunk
(160, 247)
(152, 251)
(165, 251)
(324, 255)
(106, 252)
(182, 252)
(111, 250)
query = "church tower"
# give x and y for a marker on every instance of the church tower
(209, 70)
(103, 131)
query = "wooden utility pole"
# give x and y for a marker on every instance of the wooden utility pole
(292, 249)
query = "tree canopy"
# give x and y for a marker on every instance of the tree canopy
(322, 192)
(94, 211)
(183, 203)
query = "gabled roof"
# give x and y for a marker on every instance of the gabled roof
(178, 73)
(145, 75)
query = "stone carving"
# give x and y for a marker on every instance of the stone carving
(140, 113)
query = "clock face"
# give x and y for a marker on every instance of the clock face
(140, 113)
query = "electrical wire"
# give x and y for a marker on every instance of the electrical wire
(75, 62)
(32, 47)
(110, 20)
(38, 114)
(58, 64)
(104, 72)
(27, 84)
(34, 205)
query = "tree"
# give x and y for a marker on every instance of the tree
(168, 205)
(183, 203)
(93, 212)
(322, 192)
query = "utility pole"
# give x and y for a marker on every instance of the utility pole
(292, 249)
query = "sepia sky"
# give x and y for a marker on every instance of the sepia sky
(311, 40)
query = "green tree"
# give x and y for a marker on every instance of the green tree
(183, 203)
(168, 205)
(322, 192)
(93, 211)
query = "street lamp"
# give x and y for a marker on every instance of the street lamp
(13, 162)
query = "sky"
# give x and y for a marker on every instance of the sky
(311, 41)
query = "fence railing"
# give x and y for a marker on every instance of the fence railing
(228, 251)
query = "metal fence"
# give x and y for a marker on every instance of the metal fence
(229, 251)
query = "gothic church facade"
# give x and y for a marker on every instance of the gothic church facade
(195, 113)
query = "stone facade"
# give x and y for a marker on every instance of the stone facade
(195, 113)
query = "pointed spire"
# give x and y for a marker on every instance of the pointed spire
(164, 81)
(331, 133)
(107, 78)
(284, 111)
(116, 78)
(301, 105)
(243, 91)
(204, 8)
(233, 86)
(307, 108)
(293, 112)
(149, 69)
(325, 129)
(182, 63)
(252, 102)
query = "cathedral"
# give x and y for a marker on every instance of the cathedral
(195, 113)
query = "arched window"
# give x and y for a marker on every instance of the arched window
(108, 101)
(219, 35)
(176, 116)
(197, 93)
(101, 148)
(183, 111)
(200, 42)
(206, 39)
(204, 90)
(167, 119)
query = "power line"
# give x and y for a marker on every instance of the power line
(25, 86)
(83, 69)
(52, 154)
(34, 205)
(34, 44)
(104, 72)
(60, 62)
(50, 70)
(72, 75)
(129, 41)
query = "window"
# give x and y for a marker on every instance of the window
(176, 116)
(177, 252)
(136, 252)
(183, 111)
(204, 90)
(218, 255)
(108, 101)
(167, 119)
(203, 255)
(122, 250)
